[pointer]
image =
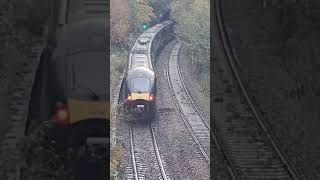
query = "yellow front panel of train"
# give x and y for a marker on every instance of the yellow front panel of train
(143, 96)
(80, 110)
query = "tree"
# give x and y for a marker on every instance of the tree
(120, 21)
(193, 19)
(143, 13)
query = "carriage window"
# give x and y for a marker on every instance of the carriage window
(140, 85)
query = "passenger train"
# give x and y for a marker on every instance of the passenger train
(71, 89)
(139, 85)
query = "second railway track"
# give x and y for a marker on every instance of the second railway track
(12, 163)
(194, 121)
(250, 148)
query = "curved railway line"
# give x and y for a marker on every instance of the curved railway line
(194, 121)
(205, 121)
(250, 148)
(13, 163)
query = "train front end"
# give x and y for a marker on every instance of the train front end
(140, 93)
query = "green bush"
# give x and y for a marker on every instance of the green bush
(193, 20)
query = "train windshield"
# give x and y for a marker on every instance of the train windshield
(88, 76)
(139, 85)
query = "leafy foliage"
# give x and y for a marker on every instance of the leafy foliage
(128, 16)
(120, 21)
(193, 17)
(143, 13)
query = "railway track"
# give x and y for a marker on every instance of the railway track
(192, 118)
(144, 159)
(138, 166)
(206, 123)
(249, 146)
(12, 157)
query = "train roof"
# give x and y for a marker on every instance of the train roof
(147, 35)
(139, 46)
(143, 41)
(140, 72)
(139, 56)
(140, 60)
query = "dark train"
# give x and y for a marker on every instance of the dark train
(71, 86)
(139, 85)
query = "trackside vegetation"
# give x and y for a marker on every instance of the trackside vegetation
(193, 21)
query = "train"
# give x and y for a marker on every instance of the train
(70, 94)
(139, 85)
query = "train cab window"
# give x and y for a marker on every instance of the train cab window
(139, 85)
(81, 75)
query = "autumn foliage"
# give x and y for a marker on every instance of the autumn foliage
(193, 20)
(119, 21)
(144, 12)
(128, 16)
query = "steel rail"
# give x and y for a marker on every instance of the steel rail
(226, 45)
(156, 149)
(134, 164)
(204, 120)
(212, 130)
(155, 146)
